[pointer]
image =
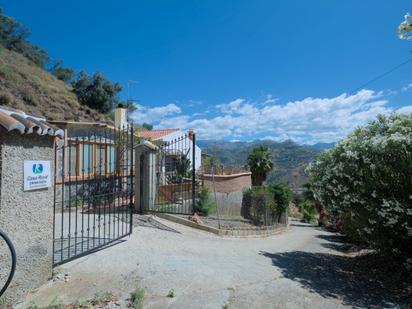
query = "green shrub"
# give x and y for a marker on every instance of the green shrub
(366, 181)
(102, 298)
(308, 211)
(171, 293)
(263, 205)
(205, 202)
(137, 297)
(282, 196)
(260, 204)
(5, 99)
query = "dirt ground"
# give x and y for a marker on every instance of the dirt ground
(301, 268)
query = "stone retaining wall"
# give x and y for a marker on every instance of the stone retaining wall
(244, 232)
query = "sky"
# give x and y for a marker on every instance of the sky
(237, 70)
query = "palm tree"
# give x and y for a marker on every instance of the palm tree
(182, 168)
(260, 163)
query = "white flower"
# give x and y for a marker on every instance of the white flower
(391, 221)
(397, 208)
(367, 230)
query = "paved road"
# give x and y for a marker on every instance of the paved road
(301, 268)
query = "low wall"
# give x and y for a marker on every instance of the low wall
(170, 192)
(229, 190)
(26, 216)
(244, 232)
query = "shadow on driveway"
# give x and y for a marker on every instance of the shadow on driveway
(332, 276)
(336, 242)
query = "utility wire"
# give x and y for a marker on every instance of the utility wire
(381, 76)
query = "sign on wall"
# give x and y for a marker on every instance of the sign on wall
(36, 175)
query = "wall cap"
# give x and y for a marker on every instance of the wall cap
(227, 176)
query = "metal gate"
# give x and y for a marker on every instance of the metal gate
(93, 193)
(173, 167)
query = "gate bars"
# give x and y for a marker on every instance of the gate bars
(174, 168)
(93, 192)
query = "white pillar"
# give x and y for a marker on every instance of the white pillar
(120, 116)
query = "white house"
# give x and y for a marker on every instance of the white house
(173, 136)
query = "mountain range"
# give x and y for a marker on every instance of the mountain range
(290, 158)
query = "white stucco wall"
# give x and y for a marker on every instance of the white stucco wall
(198, 151)
(26, 216)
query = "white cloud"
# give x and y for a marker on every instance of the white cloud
(406, 109)
(283, 137)
(305, 121)
(407, 87)
(232, 106)
(269, 99)
(152, 115)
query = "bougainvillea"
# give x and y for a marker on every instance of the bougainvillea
(366, 181)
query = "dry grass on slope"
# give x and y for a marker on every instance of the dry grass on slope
(25, 86)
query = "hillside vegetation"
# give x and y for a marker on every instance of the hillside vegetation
(33, 81)
(28, 87)
(290, 158)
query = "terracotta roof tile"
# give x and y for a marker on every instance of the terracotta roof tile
(156, 134)
(12, 119)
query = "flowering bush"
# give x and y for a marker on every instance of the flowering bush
(405, 28)
(366, 181)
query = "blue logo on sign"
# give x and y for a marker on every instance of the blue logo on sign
(37, 168)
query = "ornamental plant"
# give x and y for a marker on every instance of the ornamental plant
(258, 204)
(366, 182)
(308, 210)
(264, 205)
(282, 196)
(260, 162)
(205, 202)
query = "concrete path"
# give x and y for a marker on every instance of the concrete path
(301, 268)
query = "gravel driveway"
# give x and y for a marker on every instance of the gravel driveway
(300, 268)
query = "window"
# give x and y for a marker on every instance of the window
(170, 163)
(101, 159)
(84, 160)
(86, 156)
(72, 159)
(111, 159)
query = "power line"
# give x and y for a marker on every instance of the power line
(381, 76)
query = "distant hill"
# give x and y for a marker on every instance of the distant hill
(26, 86)
(323, 146)
(291, 159)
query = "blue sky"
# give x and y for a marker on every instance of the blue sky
(237, 70)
